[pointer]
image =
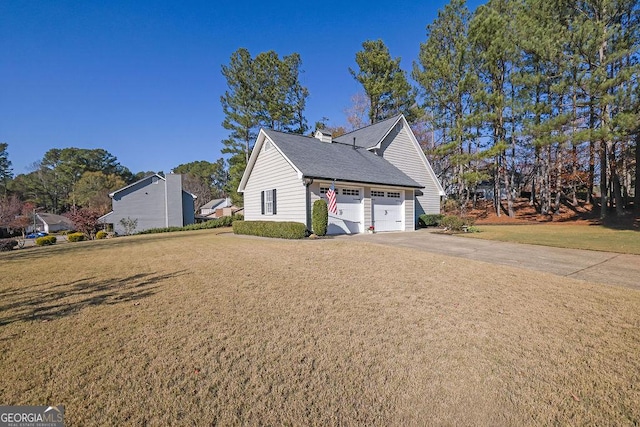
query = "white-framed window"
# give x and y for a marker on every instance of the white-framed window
(350, 192)
(376, 193)
(393, 194)
(268, 202)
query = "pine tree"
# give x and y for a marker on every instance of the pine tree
(262, 91)
(384, 82)
(491, 34)
(605, 37)
(5, 168)
(446, 73)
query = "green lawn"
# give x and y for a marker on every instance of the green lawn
(590, 237)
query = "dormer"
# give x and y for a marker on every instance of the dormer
(323, 135)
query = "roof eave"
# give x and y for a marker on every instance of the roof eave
(353, 181)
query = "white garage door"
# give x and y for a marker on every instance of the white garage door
(350, 216)
(388, 210)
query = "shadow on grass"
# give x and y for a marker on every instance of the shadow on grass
(626, 222)
(39, 252)
(46, 302)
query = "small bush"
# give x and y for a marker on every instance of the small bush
(281, 230)
(456, 223)
(46, 240)
(75, 237)
(430, 220)
(320, 217)
(450, 205)
(8, 245)
(101, 235)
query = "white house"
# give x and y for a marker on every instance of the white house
(50, 223)
(381, 176)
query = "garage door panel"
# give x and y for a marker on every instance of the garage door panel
(350, 213)
(388, 210)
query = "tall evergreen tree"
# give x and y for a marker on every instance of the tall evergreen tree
(5, 168)
(384, 82)
(446, 72)
(262, 91)
(490, 33)
(240, 103)
(547, 99)
(605, 35)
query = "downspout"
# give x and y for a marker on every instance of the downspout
(166, 204)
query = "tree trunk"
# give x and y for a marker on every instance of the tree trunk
(507, 188)
(615, 180)
(574, 152)
(535, 180)
(574, 176)
(496, 185)
(603, 180)
(592, 156)
(636, 196)
(556, 205)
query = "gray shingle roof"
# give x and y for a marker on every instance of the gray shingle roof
(212, 203)
(53, 219)
(368, 136)
(317, 159)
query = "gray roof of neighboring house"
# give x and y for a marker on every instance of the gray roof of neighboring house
(213, 203)
(144, 179)
(336, 161)
(368, 136)
(53, 219)
(134, 183)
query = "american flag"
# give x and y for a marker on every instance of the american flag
(331, 200)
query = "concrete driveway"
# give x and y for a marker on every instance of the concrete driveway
(598, 267)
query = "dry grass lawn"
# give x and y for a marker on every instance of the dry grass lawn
(206, 328)
(582, 236)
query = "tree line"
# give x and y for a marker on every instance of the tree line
(533, 97)
(77, 182)
(537, 95)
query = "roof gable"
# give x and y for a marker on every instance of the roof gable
(416, 148)
(149, 177)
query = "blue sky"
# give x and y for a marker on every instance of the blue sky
(142, 79)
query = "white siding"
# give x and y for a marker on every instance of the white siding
(270, 171)
(399, 150)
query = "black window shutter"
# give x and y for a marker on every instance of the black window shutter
(274, 201)
(262, 201)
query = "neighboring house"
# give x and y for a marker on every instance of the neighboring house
(381, 176)
(217, 208)
(154, 202)
(212, 206)
(50, 223)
